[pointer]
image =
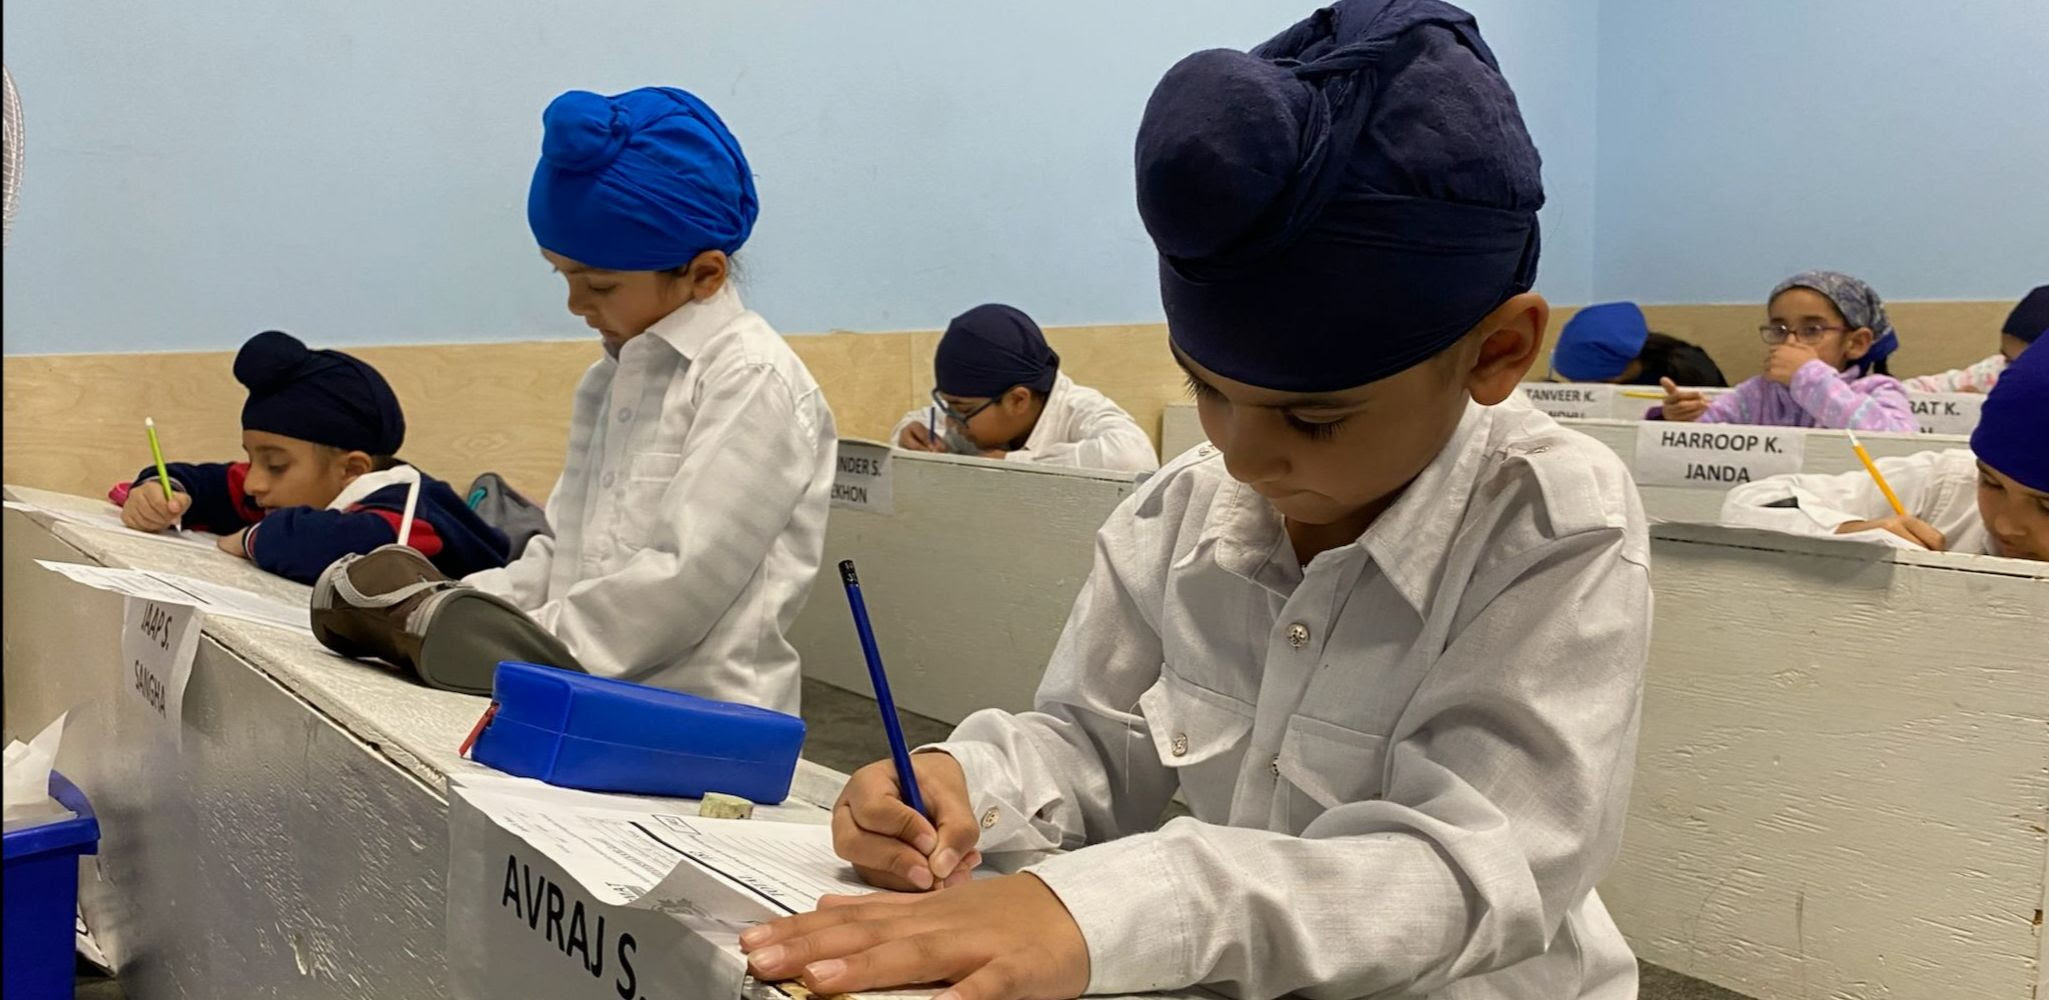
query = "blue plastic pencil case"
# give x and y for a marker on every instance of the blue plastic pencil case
(606, 735)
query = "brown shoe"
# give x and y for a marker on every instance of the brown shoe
(393, 605)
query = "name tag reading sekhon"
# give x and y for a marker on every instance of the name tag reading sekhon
(861, 477)
(1715, 456)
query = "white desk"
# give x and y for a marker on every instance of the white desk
(297, 847)
(1843, 779)
(969, 580)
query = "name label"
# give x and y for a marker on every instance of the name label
(562, 918)
(1947, 412)
(1577, 401)
(1714, 457)
(158, 643)
(861, 480)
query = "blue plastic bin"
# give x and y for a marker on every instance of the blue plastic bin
(42, 899)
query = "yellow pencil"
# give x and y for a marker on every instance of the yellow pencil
(1872, 467)
(156, 451)
(1636, 394)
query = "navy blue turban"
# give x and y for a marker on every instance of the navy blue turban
(640, 181)
(1342, 202)
(989, 349)
(1599, 342)
(2029, 319)
(325, 397)
(2009, 433)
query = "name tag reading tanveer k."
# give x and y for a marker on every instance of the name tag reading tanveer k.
(1715, 456)
(1576, 402)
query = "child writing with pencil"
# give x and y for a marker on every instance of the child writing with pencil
(1385, 635)
(1827, 340)
(321, 429)
(1000, 393)
(1992, 499)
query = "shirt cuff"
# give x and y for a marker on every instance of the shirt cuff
(1128, 900)
(997, 799)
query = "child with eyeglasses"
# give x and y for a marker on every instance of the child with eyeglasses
(1828, 337)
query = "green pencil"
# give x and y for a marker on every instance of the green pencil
(156, 451)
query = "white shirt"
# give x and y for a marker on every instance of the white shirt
(1407, 763)
(690, 517)
(1079, 427)
(1939, 487)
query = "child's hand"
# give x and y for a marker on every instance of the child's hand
(1785, 359)
(1683, 405)
(1006, 938)
(1906, 526)
(147, 510)
(889, 844)
(233, 544)
(917, 438)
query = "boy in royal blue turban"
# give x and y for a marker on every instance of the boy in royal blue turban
(1384, 635)
(321, 430)
(1612, 342)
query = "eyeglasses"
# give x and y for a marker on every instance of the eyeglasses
(957, 416)
(1809, 334)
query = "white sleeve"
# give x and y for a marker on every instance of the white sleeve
(747, 463)
(1506, 783)
(1815, 505)
(523, 581)
(1109, 439)
(918, 416)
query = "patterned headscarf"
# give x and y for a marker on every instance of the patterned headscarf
(1859, 304)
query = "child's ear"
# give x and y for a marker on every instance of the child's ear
(1017, 398)
(1858, 343)
(358, 463)
(1510, 338)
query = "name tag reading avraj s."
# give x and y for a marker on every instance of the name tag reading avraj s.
(1572, 401)
(1946, 412)
(1715, 456)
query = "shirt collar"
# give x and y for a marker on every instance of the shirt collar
(1409, 542)
(691, 327)
(1044, 431)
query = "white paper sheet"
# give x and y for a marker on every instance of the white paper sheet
(173, 588)
(108, 518)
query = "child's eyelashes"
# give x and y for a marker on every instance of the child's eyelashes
(1200, 389)
(1316, 431)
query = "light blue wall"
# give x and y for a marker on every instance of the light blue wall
(356, 171)
(1903, 141)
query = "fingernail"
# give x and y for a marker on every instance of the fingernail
(767, 958)
(924, 843)
(959, 878)
(943, 863)
(921, 877)
(753, 936)
(822, 972)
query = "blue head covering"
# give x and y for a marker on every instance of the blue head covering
(1859, 304)
(325, 397)
(991, 348)
(2010, 427)
(640, 181)
(1599, 342)
(2029, 319)
(1341, 202)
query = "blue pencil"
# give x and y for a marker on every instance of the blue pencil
(899, 752)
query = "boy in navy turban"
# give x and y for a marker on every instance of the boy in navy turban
(322, 431)
(1384, 636)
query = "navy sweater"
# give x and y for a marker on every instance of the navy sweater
(299, 542)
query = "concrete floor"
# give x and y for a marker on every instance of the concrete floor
(845, 732)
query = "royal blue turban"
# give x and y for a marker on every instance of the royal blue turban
(640, 181)
(325, 397)
(2029, 319)
(1599, 342)
(2010, 429)
(1342, 202)
(991, 348)
(1860, 305)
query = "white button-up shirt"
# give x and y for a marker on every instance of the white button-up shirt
(1079, 427)
(1939, 487)
(690, 517)
(1407, 762)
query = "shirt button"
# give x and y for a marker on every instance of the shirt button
(1298, 635)
(625, 414)
(989, 818)
(1274, 765)
(1180, 746)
